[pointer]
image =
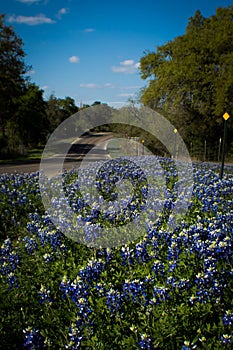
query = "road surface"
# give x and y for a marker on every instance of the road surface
(92, 147)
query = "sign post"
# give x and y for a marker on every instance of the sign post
(175, 150)
(225, 117)
(143, 147)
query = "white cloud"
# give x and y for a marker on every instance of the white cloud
(117, 104)
(119, 69)
(130, 87)
(109, 85)
(45, 87)
(90, 86)
(31, 20)
(96, 86)
(89, 30)
(74, 59)
(127, 63)
(126, 95)
(62, 11)
(28, 1)
(126, 66)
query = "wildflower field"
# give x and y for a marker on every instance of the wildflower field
(169, 289)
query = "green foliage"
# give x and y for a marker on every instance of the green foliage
(12, 70)
(57, 110)
(30, 116)
(191, 77)
(25, 118)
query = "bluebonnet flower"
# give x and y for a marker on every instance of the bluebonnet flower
(136, 290)
(22, 200)
(55, 239)
(141, 252)
(151, 230)
(78, 292)
(13, 260)
(209, 262)
(171, 281)
(44, 294)
(173, 250)
(33, 339)
(6, 248)
(34, 224)
(227, 319)
(65, 287)
(208, 240)
(45, 231)
(92, 271)
(83, 313)
(160, 294)
(172, 265)
(105, 253)
(9, 262)
(168, 204)
(183, 284)
(210, 283)
(76, 289)
(74, 338)
(101, 290)
(12, 281)
(192, 299)
(30, 244)
(47, 257)
(114, 300)
(226, 339)
(188, 345)
(184, 347)
(146, 342)
(127, 255)
(158, 268)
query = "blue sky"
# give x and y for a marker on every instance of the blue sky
(90, 50)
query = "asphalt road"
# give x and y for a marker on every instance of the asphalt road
(89, 148)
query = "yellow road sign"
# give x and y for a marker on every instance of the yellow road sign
(226, 116)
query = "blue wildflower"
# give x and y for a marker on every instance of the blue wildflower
(158, 268)
(114, 300)
(44, 294)
(33, 339)
(227, 319)
(226, 339)
(135, 290)
(146, 343)
(92, 271)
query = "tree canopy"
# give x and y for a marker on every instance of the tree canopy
(12, 71)
(190, 79)
(26, 119)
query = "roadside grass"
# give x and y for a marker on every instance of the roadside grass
(33, 154)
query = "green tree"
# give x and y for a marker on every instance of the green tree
(68, 107)
(57, 110)
(191, 77)
(30, 116)
(53, 113)
(96, 103)
(12, 72)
